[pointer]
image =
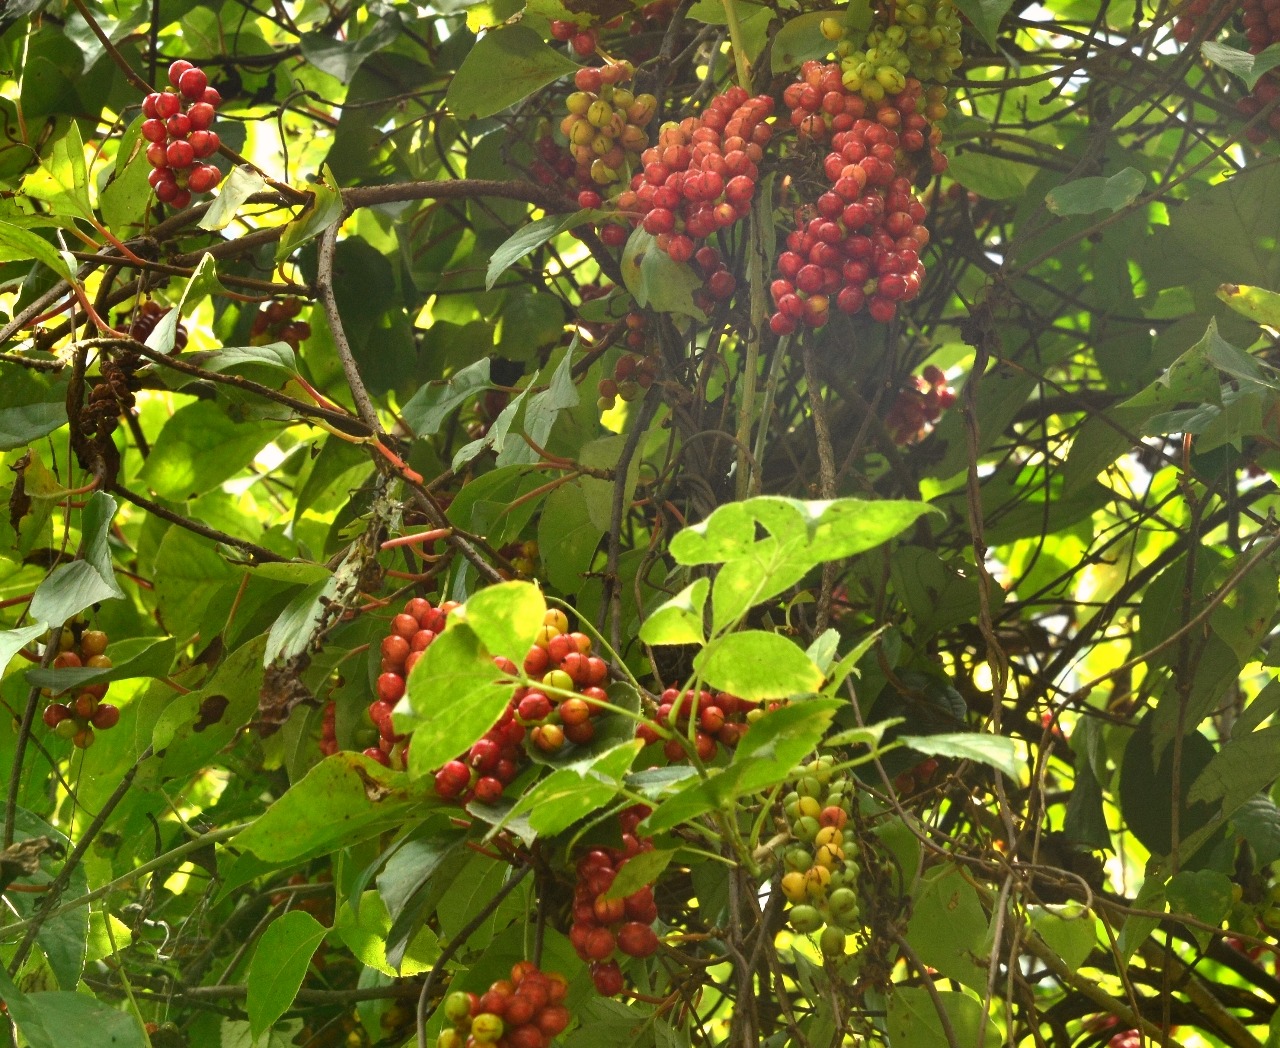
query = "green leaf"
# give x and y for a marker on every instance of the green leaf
(542, 411)
(317, 215)
(1249, 68)
(506, 617)
(341, 58)
(24, 244)
(62, 180)
(996, 750)
(13, 641)
(279, 965)
(199, 448)
(295, 627)
(801, 39)
(234, 190)
(366, 935)
(800, 535)
(985, 15)
(572, 793)
(1203, 894)
(679, 620)
(949, 929)
(1256, 303)
(68, 1020)
(342, 800)
(764, 757)
(133, 657)
(656, 280)
(913, 1017)
(532, 236)
(264, 364)
(1071, 931)
(756, 665)
(1191, 378)
(1239, 770)
(1083, 196)
(428, 408)
(996, 178)
(639, 871)
(73, 587)
(33, 405)
(1146, 786)
(505, 66)
(453, 696)
(126, 196)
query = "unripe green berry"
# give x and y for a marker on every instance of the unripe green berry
(805, 919)
(832, 942)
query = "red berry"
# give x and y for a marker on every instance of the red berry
(211, 97)
(203, 178)
(106, 716)
(607, 977)
(488, 790)
(154, 130)
(390, 687)
(179, 154)
(201, 115)
(55, 713)
(177, 69)
(192, 84)
(637, 940)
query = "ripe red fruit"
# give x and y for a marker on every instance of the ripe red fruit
(395, 649)
(203, 178)
(177, 69)
(390, 687)
(201, 115)
(55, 713)
(607, 977)
(637, 940)
(554, 1020)
(488, 790)
(153, 130)
(179, 154)
(192, 84)
(106, 716)
(212, 97)
(599, 944)
(584, 44)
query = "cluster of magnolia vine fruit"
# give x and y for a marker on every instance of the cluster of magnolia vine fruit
(180, 139)
(525, 1011)
(84, 710)
(706, 720)
(145, 318)
(277, 322)
(820, 877)
(603, 924)
(919, 405)
(1260, 20)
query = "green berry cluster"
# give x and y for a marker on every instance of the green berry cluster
(919, 38)
(820, 876)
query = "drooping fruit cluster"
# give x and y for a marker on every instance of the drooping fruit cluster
(919, 38)
(583, 41)
(820, 876)
(915, 777)
(181, 138)
(1193, 18)
(721, 720)
(525, 1011)
(605, 127)
(701, 177)
(277, 322)
(412, 631)
(635, 370)
(858, 246)
(1261, 20)
(919, 405)
(523, 558)
(601, 925)
(562, 661)
(84, 711)
(144, 321)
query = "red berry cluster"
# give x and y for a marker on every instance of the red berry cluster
(701, 176)
(411, 633)
(562, 661)
(821, 106)
(860, 242)
(916, 777)
(1261, 20)
(635, 370)
(525, 1011)
(722, 720)
(583, 41)
(76, 719)
(1191, 16)
(601, 925)
(181, 138)
(145, 319)
(919, 406)
(276, 322)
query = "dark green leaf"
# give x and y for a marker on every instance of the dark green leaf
(532, 236)
(75, 586)
(279, 965)
(33, 405)
(505, 66)
(997, 750)
(428, 408)
(1087, 195)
